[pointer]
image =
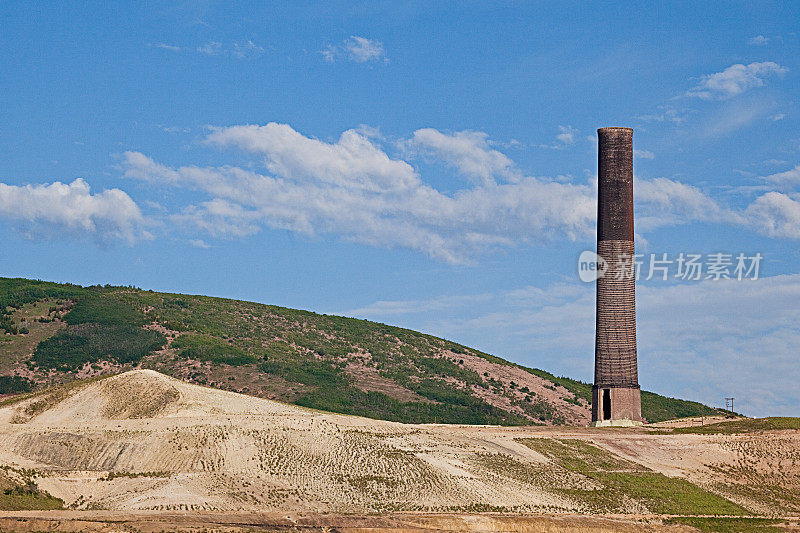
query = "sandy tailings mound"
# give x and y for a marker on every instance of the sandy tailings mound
(170, 445)
(142, 441)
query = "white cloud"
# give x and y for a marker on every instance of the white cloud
(240, 50)
(776, 215)
(666, 114)
(778, 116)
(173, 129)
(353, 189)
(643, 154)
(357, 49)
(354, 161)
(59, 209)
(165, 46)
(731, 116)
(467, 151)
(664, 202)
(758, 40)
(789, 178)
(362, 49)
(199, 243)
(212, 48)
(247, 49)
(728, 338)
(564, 138)
(221, 218)
(566, 134)
(735, 80)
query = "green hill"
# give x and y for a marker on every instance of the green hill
(54, 333)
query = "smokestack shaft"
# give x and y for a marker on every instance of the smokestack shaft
(616, 382)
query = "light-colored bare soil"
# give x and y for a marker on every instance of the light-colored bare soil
(142, 442)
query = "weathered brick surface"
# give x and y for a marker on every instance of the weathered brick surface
(615, 191)
(615, 343)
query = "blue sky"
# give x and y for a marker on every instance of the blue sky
(428, 166)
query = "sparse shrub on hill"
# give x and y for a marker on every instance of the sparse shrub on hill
(444, 367)
(14, 385)
(656, 407)
(332, 390)
(461, 409)
(101, 327)
(77, 345)
(106, 310)
(208, 348)
(540, 410)
(279, 351)
(14, 293)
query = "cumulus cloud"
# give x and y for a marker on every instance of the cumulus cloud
(60, 209)
(468, 151)
(357, 49)
(352, 188)
(790, 177)
(643, 154)
(354, 161)
(735, 80)
(776, 215)
(663, 202)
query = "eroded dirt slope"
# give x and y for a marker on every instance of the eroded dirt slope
(142, 441)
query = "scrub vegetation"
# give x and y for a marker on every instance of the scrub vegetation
(18, 492)
(325, 362)
(614, 481)
(744, 425)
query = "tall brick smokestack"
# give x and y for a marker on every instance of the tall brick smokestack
(616, 400)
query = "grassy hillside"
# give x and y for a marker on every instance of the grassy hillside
(53, 333)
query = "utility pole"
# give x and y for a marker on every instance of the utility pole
(729, 405)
